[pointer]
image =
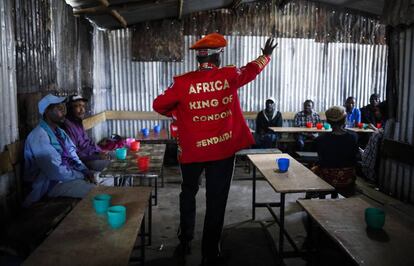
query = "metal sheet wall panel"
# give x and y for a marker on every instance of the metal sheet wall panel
(8, 87)
(35, 54)
(100, 80)
(397, 178)
(300, 69)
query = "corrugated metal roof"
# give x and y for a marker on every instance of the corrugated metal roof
(112, 14)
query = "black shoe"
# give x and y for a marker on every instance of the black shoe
(183, 249)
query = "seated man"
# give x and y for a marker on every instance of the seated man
(353, 115)
(301, 118)
(269, 117)
(51, 164)
(337, 153)
(368, 113)
(89, 153)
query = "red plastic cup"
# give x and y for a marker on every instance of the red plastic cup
(360, 125)
(309, 124)
(173, 130)
(379, 125)
(135, 145)
(143, 163)
(319, 126)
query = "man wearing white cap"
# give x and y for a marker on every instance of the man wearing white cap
(51, 163)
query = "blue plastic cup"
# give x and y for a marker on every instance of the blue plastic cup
(101, 203)
(145, 132)
(327, 125)
(121, 153)
(283, 164)
(116, 216)
(157, 129)
(374, 218)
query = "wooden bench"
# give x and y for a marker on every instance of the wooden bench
(24, 229)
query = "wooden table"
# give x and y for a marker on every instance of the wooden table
(85, 238)
(296, 180)
(299, 130)
(124, 170)
(343, 220)
(360, 130)
(156, 138)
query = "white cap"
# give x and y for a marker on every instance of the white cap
(272, 99)
(48, 100)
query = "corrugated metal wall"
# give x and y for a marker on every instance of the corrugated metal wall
(300, 69)
(35, 53)
(54, 55)
(8, 86)
(397, 178)
(101, 80)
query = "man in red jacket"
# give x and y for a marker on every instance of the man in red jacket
(211, 129)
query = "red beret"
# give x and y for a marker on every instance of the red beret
(210, 41)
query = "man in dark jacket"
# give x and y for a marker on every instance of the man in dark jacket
(269, 117)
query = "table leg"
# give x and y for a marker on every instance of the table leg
(254, 194)
(149, 222)
(281, 226)
(156, 191)
(143, 240)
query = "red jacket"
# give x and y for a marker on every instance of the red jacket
(210, 122)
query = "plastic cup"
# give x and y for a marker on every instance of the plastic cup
(327, 126)
(128, 141)
(319, 126)
(360, 125)
(121, 153)
(143, 163)
(309, 124)
(145, 132)
(157, 129)
(379, 125)
(135, 146)
(116, 216)
(374, 218)
(283, 164)
(101, 203)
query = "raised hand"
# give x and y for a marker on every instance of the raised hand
(269, 47)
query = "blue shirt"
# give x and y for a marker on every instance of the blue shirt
(353, 118)
(44, 165)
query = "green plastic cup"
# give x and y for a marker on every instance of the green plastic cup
(374, 218)
(116, 216)
(121, 153)
(101, 203)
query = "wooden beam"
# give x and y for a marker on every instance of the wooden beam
(236, 3)
(180, 8)
(118, 17)
(97, 10)
(131, 115)
(399, 151)
(92, 121)
(105, 3)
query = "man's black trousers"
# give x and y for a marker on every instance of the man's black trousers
(218, 178)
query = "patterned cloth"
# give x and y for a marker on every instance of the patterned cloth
(342, 179)
(370, 154)
(301, 119)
